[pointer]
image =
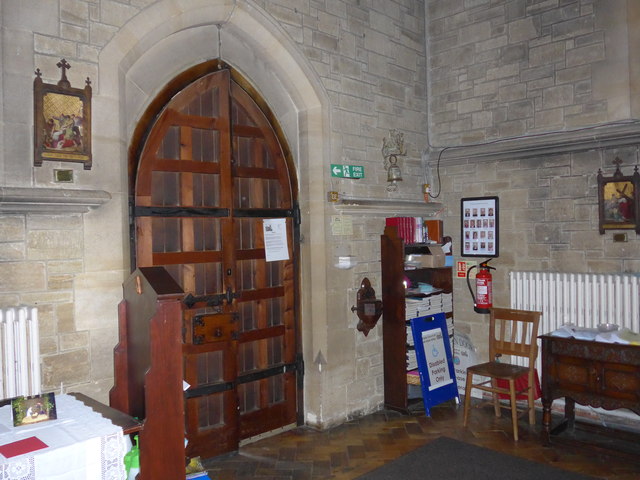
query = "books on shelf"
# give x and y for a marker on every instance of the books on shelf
(417, 229)
(433, 230)
(430, 305)
(410, 229)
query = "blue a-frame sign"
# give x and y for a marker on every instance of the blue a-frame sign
(435, 360)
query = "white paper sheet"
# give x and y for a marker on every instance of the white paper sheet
(275, 239)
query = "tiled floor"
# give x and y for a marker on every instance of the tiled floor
(349, 450)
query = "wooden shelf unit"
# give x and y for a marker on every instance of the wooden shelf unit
(394, 323)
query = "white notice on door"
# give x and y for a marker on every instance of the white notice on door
(275, 239)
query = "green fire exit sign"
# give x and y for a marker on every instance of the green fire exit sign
(347, 171)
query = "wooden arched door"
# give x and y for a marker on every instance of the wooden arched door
(212, 178)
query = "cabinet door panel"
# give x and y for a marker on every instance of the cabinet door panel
(574, 374)
(621, 381)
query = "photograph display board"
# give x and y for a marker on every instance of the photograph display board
(479, 227)
(435, 360)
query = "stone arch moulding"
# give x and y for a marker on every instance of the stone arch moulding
(135, 66)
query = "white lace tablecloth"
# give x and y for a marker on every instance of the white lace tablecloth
(82, 445)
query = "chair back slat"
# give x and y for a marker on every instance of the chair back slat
(514, 332)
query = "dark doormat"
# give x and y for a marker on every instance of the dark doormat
(449, 459)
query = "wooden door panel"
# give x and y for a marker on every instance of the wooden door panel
(211, 414)
(193, 189)
(168, 236)
(257, 193)
(262, 351)
(263, 305)
(211, 172)
(206, 277)
(274, 411)
(212, 424)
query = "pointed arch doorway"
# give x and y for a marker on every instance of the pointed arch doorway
(210, 175)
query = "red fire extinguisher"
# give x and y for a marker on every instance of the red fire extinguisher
(483, 299)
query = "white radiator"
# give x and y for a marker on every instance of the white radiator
(20, 348)
(585, 300)
(582, 299)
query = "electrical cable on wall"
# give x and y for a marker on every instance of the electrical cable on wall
(425, 153)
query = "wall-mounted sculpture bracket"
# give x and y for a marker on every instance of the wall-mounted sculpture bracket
(368, 308)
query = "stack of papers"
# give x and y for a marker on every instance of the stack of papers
(623, 336)
(419, 307)
(410, 341)
(412, 360)
(580, 333)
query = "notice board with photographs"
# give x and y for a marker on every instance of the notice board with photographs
(479, 232)
(435, 360)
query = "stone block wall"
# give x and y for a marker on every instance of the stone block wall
(548, 221)
(505, 76)
(366, 58)
(370, 58)
(511, 68)
(41, 255)
(495, 70)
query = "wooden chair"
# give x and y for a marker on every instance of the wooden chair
(513, 333)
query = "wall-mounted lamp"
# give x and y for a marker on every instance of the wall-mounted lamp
(369, 309)
(392, 148)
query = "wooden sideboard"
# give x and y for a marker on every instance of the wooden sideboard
(590, 373)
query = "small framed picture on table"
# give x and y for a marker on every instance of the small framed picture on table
(35, 409)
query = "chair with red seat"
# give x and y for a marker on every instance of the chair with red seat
(513, 333)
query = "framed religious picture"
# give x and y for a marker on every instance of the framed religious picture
(479, 227)
(35, 409)
(62, 120)
(619, 200)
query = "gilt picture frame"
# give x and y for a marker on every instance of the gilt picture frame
(62, 120)
(619, 200)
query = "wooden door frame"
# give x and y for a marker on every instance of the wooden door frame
(139, 137)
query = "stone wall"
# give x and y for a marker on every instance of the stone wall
(338, 76)
(548, 221)
(510, 68)
(40, 260)
(524, 101)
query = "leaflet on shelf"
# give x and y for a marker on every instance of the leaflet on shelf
(412, 360)
(428, 306)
